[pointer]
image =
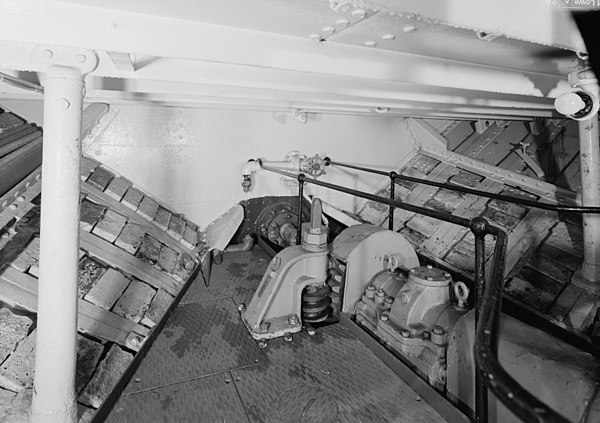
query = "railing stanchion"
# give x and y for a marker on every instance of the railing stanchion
(301, 178)
(392, 197)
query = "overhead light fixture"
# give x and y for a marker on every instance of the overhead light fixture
(578, 105)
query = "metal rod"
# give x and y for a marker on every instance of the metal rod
(500, 197)
(478, 227)
(445, 216)
(300, 178)
(392, 197)
(364, 169)
(524, 405)
(20, 83)
(56, 349)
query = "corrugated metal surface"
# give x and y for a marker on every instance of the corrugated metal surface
(199, 340)
(205, 367)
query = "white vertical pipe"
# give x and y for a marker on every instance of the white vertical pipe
(589, 149)
(56, 349)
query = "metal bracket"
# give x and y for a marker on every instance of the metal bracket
(48, 55)
(300, 116)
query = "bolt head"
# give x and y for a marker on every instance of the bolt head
(438, 330)
(405, 333)
(262, 344)
(241, 307)
(293, 320)
(311, 331)
(426, 334)
(287, 337)
(370, 288)
(380, 293)
(384, 317)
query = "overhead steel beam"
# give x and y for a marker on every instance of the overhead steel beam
(546, 22)
(73, 24)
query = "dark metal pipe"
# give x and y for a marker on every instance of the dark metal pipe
(445, 216)
(393, 176)
(524, 405)
(364, 169)
(478, 227)
(301, 179)
(500, 197)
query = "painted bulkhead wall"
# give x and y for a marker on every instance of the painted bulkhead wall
(192, 158)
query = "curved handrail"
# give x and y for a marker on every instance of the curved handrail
(490, 373)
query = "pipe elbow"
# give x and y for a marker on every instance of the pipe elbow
(250, 167)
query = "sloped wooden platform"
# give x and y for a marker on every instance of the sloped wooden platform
(544, 248)
(136, 255)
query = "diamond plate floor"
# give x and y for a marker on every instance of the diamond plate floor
(205, 367)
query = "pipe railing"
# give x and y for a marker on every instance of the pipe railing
(488, 298)
(522, 201)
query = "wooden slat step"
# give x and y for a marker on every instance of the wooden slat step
(118, 187)
(16, 132)
(535, 288)
(149, 250)
(9, 147)
(176, 227)
(119, 207)
(566, 259)
(135, 301)
(20, 290)
(8, 120)
(567, 237)
(551, 268)
(447, 234)
(87, 166)
(563, 305)
(108, 289)
(424, 164)
(582, 311)
(130, 237)
(100, 178)
(132, 198)
(110, 226)
(158, 307)
(148, 208)
(114, 256)
(162, 218)
(89, 272)
(90, 214)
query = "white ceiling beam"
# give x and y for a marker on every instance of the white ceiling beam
(70, 24)
(546, 22)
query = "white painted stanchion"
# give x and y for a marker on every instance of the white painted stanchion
(56, 350)
(589, 146)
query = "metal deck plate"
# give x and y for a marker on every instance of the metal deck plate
(198, 340)
(210, 399)
(346, 380)
(237, 277)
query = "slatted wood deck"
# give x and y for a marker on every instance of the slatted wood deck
(133, 262)
(544, 248)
